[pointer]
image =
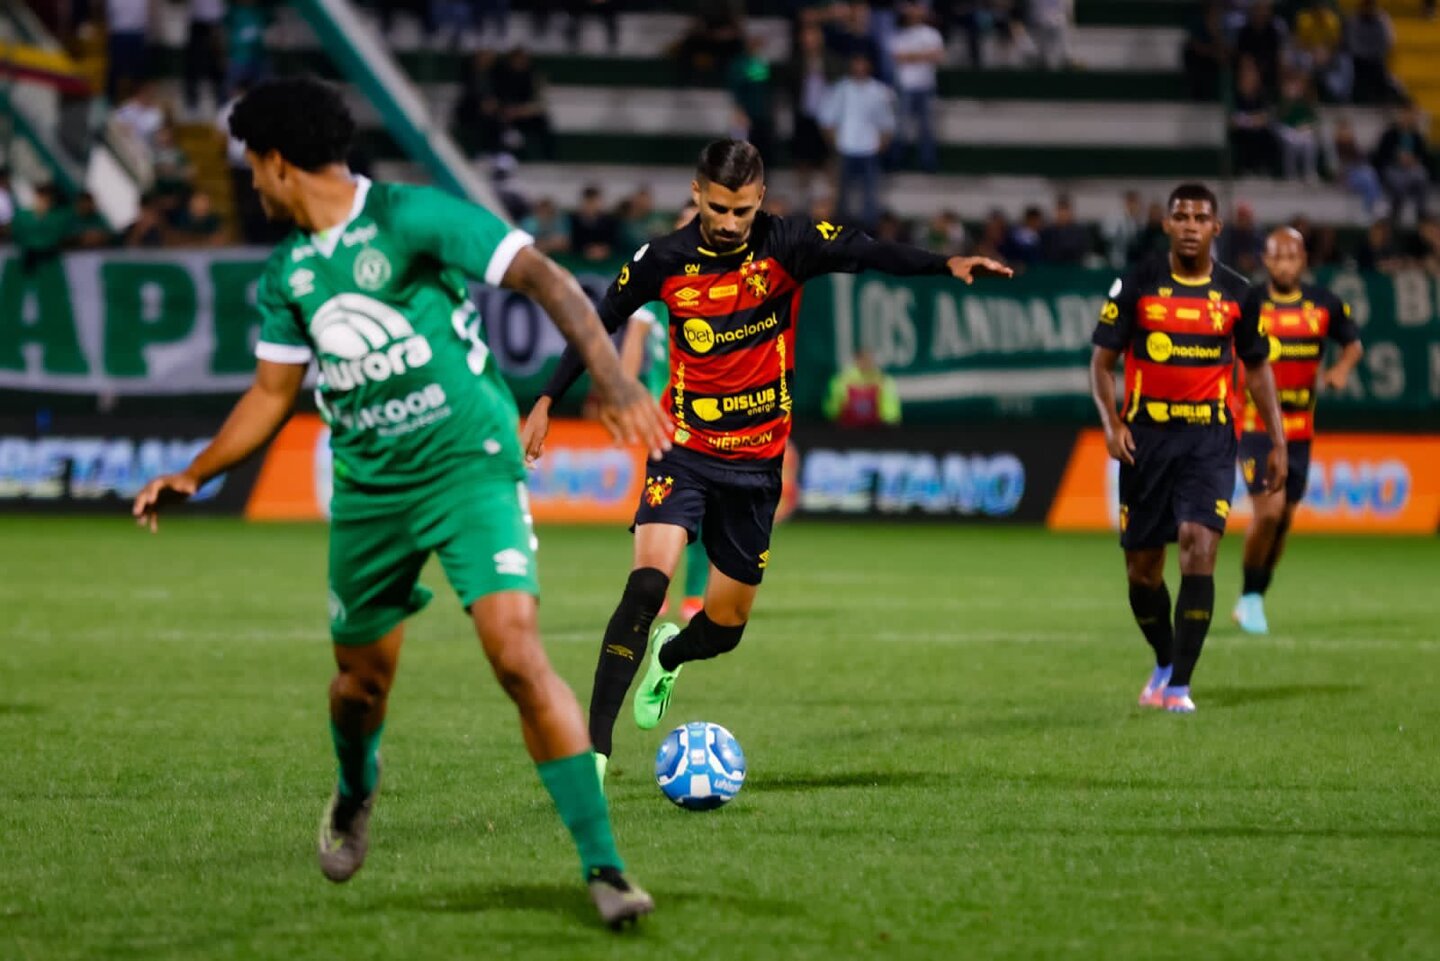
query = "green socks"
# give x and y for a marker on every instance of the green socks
(697, 569)
(575, 787)
(359, 762)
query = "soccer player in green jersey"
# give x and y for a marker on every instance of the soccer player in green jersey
(371, 285)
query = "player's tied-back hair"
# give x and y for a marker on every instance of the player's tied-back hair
(305, 120)
(730, 163)
(1193, 191)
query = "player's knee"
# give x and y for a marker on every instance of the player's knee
(522, 671)
(1144, 573)
(359, 691)
(645, 590)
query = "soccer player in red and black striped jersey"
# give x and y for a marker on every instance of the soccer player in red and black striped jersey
(1298, 318)
(1177, 321)
(731, 280)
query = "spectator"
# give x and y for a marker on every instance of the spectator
(148, 230)
(1403, 160)
(548, 226)
(1207, 52)
(1354, 170)
(848, 35)
(1428, 240)
(174, 175)
(502, 172)
(1372, 38)
(1326, 249)
(1022, 246)
(981, 21)
(1064, 240)
(891, 229)
(1378, 251)
(245, 40)
(1252, 141)
(255, 228)
(602, 10)
(862, 395)
(822, 208)
(1262, 39)
(644, 222)
(860, 120)
(205, 52)
(1242, 241)
(455, 16)
(1152, 239)
(477, 122)
(994, 236)
(520, 92)
(198, 225)
(808, 150)
(89, 230)
(142, 115)
(1122, 231)
(594, 231)
(1050, 23)
(1298, 129)
(40, 231)
(496, 12)
(945, 233)
(775, 204)
(127, 23)
(714, 38)
(1319, 50)
(918, 50)
(752, 97)
(7, 202)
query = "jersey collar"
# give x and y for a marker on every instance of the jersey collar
(1284, 299)
(327, 240)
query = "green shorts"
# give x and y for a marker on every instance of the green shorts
(478, 524)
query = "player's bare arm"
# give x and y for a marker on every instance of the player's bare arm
(629, 412)
(1261, 382)
(256, 417)
(1338, 376)
(1118, 440)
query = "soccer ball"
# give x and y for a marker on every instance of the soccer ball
(700, 766)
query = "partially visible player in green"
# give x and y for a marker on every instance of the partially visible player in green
(647, 344)
(372, 285)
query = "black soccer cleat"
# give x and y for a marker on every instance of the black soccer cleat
(345, 836)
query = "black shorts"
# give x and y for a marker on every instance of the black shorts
(1181, 475)
(1255, 448)
(730, 509)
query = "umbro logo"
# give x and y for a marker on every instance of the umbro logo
(302, 282)
(512, 563)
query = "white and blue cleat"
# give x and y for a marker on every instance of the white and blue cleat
(1249, 613)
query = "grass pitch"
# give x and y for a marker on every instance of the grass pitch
(945, 760)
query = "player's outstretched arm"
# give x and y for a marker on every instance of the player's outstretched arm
(826, 248)
(254, 420)
(1260, 381)
(1118, 439)
(629, 412)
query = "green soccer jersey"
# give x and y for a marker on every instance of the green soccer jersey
(657, 347)
(406, 381)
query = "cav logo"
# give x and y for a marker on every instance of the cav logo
(360, 340)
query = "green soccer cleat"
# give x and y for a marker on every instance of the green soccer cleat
(619, 900)
(653, 697)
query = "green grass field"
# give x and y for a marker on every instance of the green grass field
(945, 760)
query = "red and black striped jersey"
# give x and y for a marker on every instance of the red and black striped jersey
(1296, 328)
(732, 323)
(1180, 337)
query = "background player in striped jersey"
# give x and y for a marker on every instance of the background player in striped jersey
(1178, 322)
(1298, 318)
(731, 280)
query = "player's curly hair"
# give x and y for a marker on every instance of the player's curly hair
(304, 119)
(730, 163)
(1193, 191)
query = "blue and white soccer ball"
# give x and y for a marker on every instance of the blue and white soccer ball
(700, 766)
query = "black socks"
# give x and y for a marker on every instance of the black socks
(701, 639)
(1257, 580)
(1152, 612)
(1194, 608)
(623, 651)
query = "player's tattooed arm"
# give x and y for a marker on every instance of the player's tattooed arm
(628, 411)
(256, 417)
(1118, 440)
